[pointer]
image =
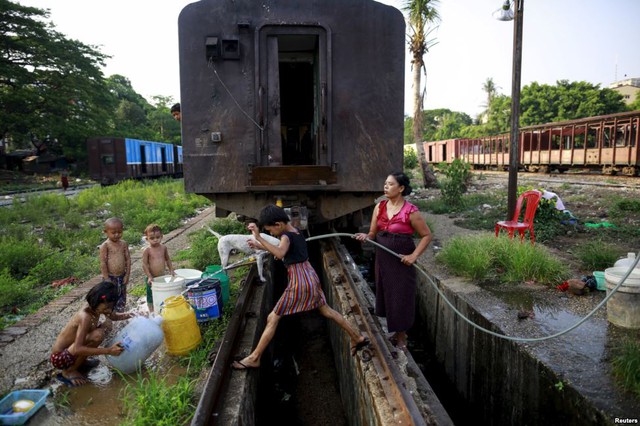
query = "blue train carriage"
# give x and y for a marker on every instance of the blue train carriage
(299, 101)
(114, 159)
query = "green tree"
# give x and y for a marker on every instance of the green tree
(164, 126)
(635, 105)
(541, 103)
(421, 14)
(50, 86)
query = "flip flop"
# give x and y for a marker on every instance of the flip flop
(358, 346)
(69, 382)
(234, 366)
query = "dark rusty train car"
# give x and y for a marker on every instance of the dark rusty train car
(298, 101)
(114, 159)
(607, 143)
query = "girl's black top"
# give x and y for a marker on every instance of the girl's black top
(297, 252)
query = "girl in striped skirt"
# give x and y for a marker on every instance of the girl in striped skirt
(303, 292)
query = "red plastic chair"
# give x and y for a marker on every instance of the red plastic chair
(532, 199)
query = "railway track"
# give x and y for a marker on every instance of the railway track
(588, 179)
(375, 385)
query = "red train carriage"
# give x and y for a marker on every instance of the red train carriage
(608, 143)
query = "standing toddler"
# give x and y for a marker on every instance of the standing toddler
(115, 261)
(155, 259)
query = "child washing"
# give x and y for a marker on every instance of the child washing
(115, 261)
(82, 335)
(303, 292)
(155, 259)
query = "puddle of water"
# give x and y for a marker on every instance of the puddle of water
(98, 402)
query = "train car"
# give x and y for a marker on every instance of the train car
(607, 143)
(301, 102)
(114, 159)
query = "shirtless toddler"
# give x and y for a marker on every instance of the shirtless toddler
(155, 259)
(115, 261)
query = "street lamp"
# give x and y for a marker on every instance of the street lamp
(505, 13)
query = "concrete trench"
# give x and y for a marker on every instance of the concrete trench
(497, 381)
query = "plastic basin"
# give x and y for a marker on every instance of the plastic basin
(8, 417)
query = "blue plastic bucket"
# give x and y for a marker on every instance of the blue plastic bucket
(206, 298)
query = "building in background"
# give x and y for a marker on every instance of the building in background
(628, 88)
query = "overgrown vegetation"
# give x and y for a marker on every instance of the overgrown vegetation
(486, 258)
(597, 255)
(626, 365)
(51, 237)
(453, 185)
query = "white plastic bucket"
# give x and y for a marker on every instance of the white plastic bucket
(165, 286)
(190, 276)
(623, 308)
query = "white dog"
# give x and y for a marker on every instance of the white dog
(239, 242)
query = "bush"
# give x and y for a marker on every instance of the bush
(19, 256)
(597, 255)
(454, 184)
(13, 292)
(626, 365)
(410, 159)
(486, 258)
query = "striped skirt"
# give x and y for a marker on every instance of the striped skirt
(303, 292)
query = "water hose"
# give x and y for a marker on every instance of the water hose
(461, 315)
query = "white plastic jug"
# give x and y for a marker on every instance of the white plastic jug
(140, 338)
(626, 261)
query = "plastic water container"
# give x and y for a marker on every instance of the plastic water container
(626, 262)
(216, 271)
(206, 298)
(190, 276)
(181, 331)
(140, 338)
(164, 287)
(601, 283)
(623, 308)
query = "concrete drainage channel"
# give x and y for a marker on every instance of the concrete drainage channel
(490, 380)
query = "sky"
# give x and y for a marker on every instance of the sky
(575, 40)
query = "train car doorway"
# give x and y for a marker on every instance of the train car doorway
(295, 72)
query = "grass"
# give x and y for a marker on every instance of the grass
(50, 237)
(486, 258)
(626, 365)
(597, 255)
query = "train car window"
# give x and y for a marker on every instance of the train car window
(107, 159)
(633, 135)
(621, 131)
(143, 159)
(163, 156)
(592, 137)
(606, 137)
(295, 61)
(556, 138)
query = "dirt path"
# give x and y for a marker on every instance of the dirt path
(25, 346)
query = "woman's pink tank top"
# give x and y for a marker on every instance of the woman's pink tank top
(400, 223)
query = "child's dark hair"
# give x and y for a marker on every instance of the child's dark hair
(105, 292)
(113, 221)
(271, 214)
(403, 180)
(175, 107)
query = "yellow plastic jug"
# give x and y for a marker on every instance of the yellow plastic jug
(181, 331)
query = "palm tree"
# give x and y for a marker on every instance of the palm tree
(490, 88)
(421, 13)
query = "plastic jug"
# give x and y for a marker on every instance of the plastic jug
(205, 296)
(626, 261)
(216, 271)
(140, 338)
(165, 286)
(181, 331)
